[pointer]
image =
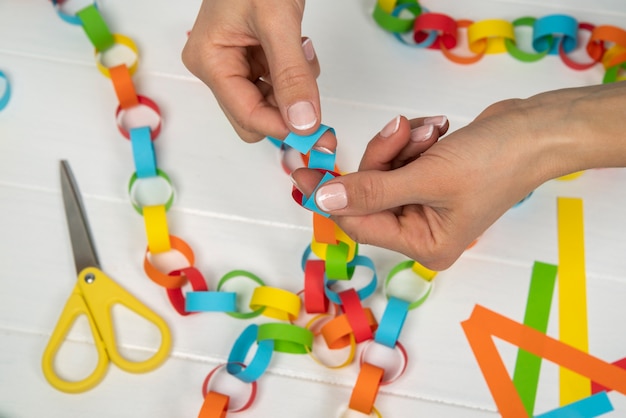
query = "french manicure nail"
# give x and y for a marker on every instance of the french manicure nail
(438, 121)
(391, 127)
(323, 150)
(331, 197)
(309, 51)
(301, 115)
(422, 133)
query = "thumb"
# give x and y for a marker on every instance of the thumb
(293, 68)
(361, 193)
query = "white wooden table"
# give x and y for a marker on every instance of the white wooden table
(233, 207)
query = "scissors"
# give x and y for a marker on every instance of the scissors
(94, 296)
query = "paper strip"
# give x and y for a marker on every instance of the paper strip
(95, 27)
(277, 303)
(366, 388)
(238, 353)
(593, 406)
(572, 294)
(143, 152)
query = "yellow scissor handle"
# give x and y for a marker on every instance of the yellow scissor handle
(74, 307)
(99, 294)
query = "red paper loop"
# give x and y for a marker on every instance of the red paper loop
(337, 332)
(120, 112)
(594, 49)
(198, 284)
(388, 377)
(444, 24)
(355, 313)
(315, 300)
(246, 405)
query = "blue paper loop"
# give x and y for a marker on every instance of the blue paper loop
(6, 94)
(68, 18)
(309, 202)
(304, 143)
(564, 30)
(239, 352)
(204, 301)
(392, 322)
(432, 35)
(143, 152)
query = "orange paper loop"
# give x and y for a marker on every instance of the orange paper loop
(124, 87)
(215, 405)
(164, 279)
(366, 388)
(479, 47)
(337, 333)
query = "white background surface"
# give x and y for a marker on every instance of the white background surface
(233, 207)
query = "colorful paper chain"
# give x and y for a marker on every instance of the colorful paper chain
(556, 34)
(330, 257)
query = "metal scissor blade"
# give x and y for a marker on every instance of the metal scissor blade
(80, 235)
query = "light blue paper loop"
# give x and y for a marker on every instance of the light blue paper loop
(68, 18)
(6, 94)
(143, 152)
(392, 322)
(304, 143)
(239, 352)
(309, 202)
(564, 30)
(426, 43)
(210, 301)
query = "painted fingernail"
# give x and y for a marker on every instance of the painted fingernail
(301, 115)
(391, 127)
(422, 133)
(309, 51)
(331, 197)
(438, 121)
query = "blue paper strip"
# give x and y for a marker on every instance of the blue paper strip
(262, 356)
(143, 152)
(211, 301)
(304, 143)
(392, 322)
(593, 406)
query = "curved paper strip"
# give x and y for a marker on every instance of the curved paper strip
(423, 272)
(324, 229)
(143, 101)
(607, 33)
(207, 381)
(5, 95)
(315, 300)
(395, 24)
(96, 28)
(337, 332)
(336, 263)
(124, 86)
(215, 405)
(356, 316)
(427, 42)
(287, 338)
(404, 358)
(525, 56)
(176, 297)
(132, 185)
(165, 280)
(143, 152)
(206, 301)
(364, 292)
(595, 51)
(304, 143)
(563, 29)
(157, 231)
(612, 74)
(68, 18)
(480, 46)
(241, 273)
(615, 55)
(311, 353)
(121, 40)
(494, 31)
(366, 388)
(276, 303)
(392, 321)
(484, 324)
(443, 25)
(238, 353)
(405, 265)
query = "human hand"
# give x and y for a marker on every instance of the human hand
(250, 53)
(430, 200)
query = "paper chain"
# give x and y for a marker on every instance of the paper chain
(556, 34)
(5, 93)
(331, 256)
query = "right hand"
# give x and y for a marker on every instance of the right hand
(251, 54)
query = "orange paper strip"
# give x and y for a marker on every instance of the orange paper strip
(366, 388)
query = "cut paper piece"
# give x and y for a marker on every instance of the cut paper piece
(150, 191)
(95, 27)
(236, 403)
(239, 352)
(315, 300)
(484, 324)
(525, 56)
(304, 143)
(494, 31)
(408, 290)
(336, 264)
(229, 278)
(324, 229)
(383, 15)
(428, 41)
(595, 387)
(382, 356)
(143, 152)
(356, 316)
(155, 221)
(276, 303)
(444, 26)
(5, 93)
(125, 42)
(337, 331)
(595, 51)
(165, 280)
(364, 292)
(392, 321)
(315, 357)
(538, 305)
(287, 338)
(593, 406)
(123, 125)
(366, 388)
(215, 405)
(425, 273)
(573, 328)
(309, 202)
(479, 47)
(123, 86)
(563, 29)
(197, 282)
(207, 301)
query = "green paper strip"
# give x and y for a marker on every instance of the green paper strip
(528, 365)
(524, 56)
(96, 28)
(391, 23)
(287, 338)
(336, 263)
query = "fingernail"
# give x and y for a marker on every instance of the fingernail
(309, 51)
(438, 121)
(301, 115)
(391, 127)
(323, 150)
(422, 133)
(294, 181)
(331, 197)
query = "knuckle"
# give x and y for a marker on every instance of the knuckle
(291, 77)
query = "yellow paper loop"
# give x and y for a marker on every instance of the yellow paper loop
(156, 229)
